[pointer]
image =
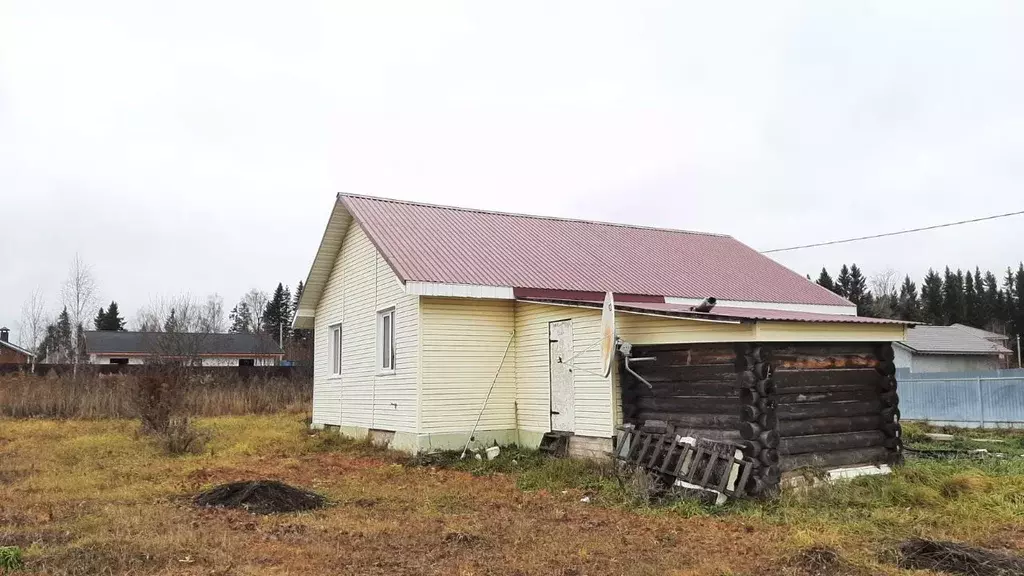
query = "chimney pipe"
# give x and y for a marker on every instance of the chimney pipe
(704, 306)
(4, 334)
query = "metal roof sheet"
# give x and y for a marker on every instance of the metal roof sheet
(727, 313)
(949, 340)
(110, 342)
(982, 333)
(428, 243)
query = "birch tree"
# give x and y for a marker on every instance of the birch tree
(79, 296)
(33, 323)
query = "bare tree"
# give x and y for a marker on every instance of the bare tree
(79, 296)
(175, 328)
(211, 317)
(33, 323)
(884, 286)
(247, 315)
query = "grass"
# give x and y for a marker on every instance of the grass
(114, 396)
(90, 496)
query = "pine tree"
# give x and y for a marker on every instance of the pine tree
(298, 296)
(909, 308)
(239, 317)
(858, 291)
(171, 323)
(114, 320)
(825, 281)
(932, 310)
(842, 284)
(972, 304)
(277, 315)
(952, 297)
(109, 319)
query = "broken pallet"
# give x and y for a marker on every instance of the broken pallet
(688, 460)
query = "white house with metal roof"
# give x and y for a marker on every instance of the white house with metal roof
(955, 348)
(435, 323)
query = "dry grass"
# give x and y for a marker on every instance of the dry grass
(86, 497)
(113, 396)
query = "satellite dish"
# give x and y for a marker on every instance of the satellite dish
(607, 334)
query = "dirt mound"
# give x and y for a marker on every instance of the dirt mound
(823, 561)
(955, 558)
(260, 497)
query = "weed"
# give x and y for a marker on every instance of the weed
(10, 559)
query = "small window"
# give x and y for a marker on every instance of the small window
(334, 346)
(246, 361)
(118, 360)
(386, 340)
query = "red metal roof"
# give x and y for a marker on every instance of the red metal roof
(449, 245)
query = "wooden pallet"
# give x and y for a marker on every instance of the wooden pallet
(674, 459)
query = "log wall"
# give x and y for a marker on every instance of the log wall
(836, 404)
(693, 389)
(789, 406)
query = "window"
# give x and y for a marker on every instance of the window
(118, 360)
(386, 340)
(246, 361)
(334, 347)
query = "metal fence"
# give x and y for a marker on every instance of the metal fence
(964, 399)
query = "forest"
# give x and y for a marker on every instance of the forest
(974, 298)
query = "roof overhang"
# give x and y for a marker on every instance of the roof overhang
(323, 263)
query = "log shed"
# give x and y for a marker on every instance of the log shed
(789, 406)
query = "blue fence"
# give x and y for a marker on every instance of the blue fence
(965, 399)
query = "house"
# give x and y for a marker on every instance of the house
(11, 354)
(109, 347)
(434, 323)
(955, 348)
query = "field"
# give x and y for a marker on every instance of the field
(95, 497)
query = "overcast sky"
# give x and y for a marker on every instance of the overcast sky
(197, 146)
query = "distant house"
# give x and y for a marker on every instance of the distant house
(108, 347)
(11, 354)
(955, 348)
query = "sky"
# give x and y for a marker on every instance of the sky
(197, 147)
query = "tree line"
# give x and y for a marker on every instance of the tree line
(973, 298)
(60, 338)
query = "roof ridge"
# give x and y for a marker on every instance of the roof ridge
(532, 216)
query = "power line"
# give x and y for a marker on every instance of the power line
(873, 236)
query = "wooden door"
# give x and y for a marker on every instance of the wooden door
(563, 388)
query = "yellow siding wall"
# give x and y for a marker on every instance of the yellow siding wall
(820, 332)
(643, 329)
(594, 394)
(464, 340)
(360, 284)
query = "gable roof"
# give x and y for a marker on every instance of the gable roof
(458, 246)
(982, 333)
(16, 348)
(949, 340)
(110, 342)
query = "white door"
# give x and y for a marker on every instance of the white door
(563, 389)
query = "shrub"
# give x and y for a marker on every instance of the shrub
(182, 437)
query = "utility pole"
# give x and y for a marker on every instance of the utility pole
(1018, 351)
